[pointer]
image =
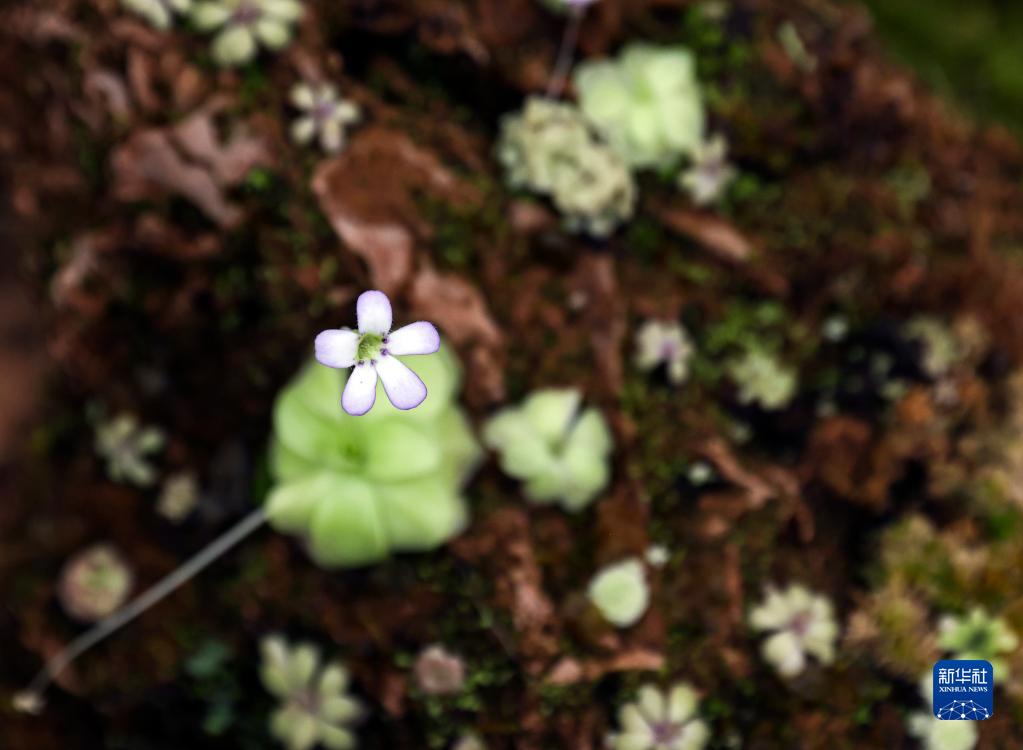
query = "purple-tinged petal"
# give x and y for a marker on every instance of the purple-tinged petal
(402, 386)
(374, 313)
(415, 338)
(337, 348)
(360, 390)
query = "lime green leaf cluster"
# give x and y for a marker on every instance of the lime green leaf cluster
(559, 452)
(549, 149)
(978, 635)
(359, 488)
(620, 592)
(647, 103)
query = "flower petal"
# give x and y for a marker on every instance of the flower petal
(234, 46)
(360, 391)
(332, 136)
(402, 386)
(415, 338)
(374, 313)
(303, 130)
(337, 348)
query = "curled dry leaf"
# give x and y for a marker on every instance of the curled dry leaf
(721, 509)
(190, 161)
(570, 670)
(458, 308)
(715, 234)
(370, 194)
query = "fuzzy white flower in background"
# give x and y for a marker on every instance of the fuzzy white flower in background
(316, 708)
(245, 24)
(125, 444)
(325, 115)
(373, 351)
(657, 555)
(159, 13)
(800, 624)
(178, 496)
(438, 671)
(710, 174)
(932, 732)
(620, 592)
(660, 720)
(664, 342)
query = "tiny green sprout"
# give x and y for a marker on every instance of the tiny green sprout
(762, 379)
(549, 149)
(438, 671)
(561, 453)
(977, 635)
(647, 103)
(710, 173)
(800, 623)
(179, 496)
(94, 583)
(620, 592)
(316, 708)
(125, 444)
(245, 24)
(325, 116)
(159, 13)
(661, 720)
(934, 733)
(664, 342)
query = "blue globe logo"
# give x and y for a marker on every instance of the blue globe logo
(962, 710)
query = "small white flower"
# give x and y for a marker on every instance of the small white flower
(324, 114)
(664, 342)
(244, 24)
(935, 734)
(620, 592)
(159, 13)
(374, 350)
(661, 721)
(700, 473)
(178, 496)
(438, 671)
(801, 623)
(657, 555)
(710, 173)
(315, 708)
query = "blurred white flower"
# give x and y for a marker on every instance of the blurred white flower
(325, 115)
(664, 342)
(800, 623)
(710, 174)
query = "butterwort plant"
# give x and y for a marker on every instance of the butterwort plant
(409, 469)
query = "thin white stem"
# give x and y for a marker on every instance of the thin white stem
(31, 699)
(565, 52)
